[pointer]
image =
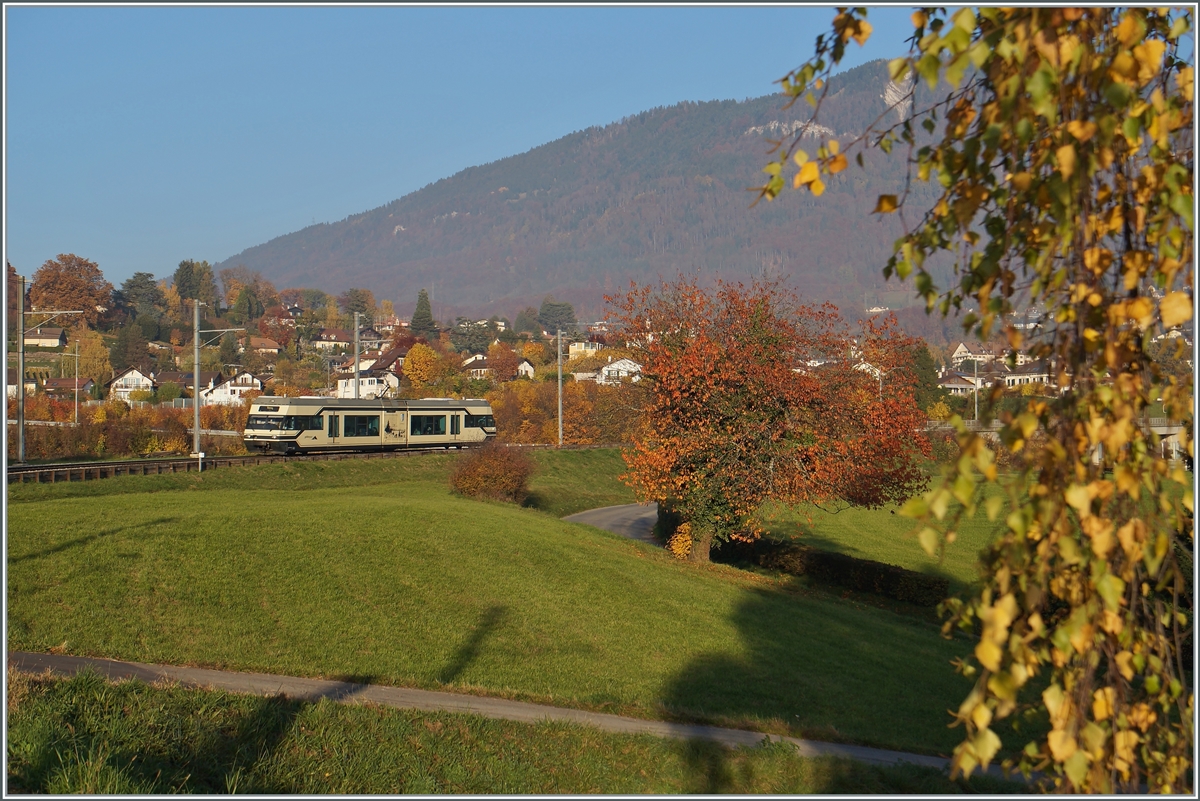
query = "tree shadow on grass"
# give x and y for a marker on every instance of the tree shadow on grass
(88, 539)
(84, 744)
(466, 653)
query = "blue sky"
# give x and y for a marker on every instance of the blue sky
(140, 136)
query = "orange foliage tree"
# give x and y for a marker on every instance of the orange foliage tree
(750, 395)
(71, 283)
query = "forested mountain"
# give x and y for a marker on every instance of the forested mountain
(650, 195)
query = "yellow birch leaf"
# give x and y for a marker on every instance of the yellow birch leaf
(838, 163)
(1082, 131)
(988, 654)
(1102, 703)
(808, 173)
(817, 187)
(1062, 745)
(861, 33)
(1066, 160)
(1176, 309)
(886, 204)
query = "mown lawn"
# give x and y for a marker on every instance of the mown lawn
(85, 735)
(373, 570)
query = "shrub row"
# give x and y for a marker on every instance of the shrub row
(828, 567)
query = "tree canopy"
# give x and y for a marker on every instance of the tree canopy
(554, 315)
(70, 283)
(749, 395)
(1062, 160)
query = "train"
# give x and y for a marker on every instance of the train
(314, 424)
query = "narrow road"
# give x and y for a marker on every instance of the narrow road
(428, 701)
(631, 520)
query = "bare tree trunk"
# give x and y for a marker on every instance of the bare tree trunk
(701, 544)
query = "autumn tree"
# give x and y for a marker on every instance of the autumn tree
(422, 324)
(94, 360)
(749, 395)
(422, 365)
(71, 283)
(1062, 148)
(503, 361)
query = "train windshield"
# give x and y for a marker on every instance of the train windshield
(291, 422)
(480, 421)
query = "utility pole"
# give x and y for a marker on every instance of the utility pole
(559, 387)
(76, 382)
(21, 371)
(196, 386)
(977, 390)
(356, 315)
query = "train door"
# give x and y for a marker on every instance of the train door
(455, 427)
(393, 429)
(334, 429)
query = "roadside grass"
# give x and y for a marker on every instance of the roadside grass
(373, 570)
(87, 735)
(884, 536)
(567, 482)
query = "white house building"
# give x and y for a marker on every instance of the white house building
(614, 372)
(371, 384)
(232, 391)
(129, 380)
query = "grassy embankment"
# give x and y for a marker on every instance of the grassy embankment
(373, 570)
(87, 735)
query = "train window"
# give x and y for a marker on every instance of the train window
(427, 425)
(359, 425)
(264, 422)
(480, 421)
(302, 422)
(333, 425)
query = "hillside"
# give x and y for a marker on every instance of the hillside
(650, 195)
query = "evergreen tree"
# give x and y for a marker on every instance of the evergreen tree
(130, 349)
(229, 349)
(554, 316)
(926, 391)
(527, 321)
(422, 319)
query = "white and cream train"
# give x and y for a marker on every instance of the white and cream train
(312, 424)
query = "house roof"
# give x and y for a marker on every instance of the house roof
(42, 332)
(335, 335)
(126, 372)
(67, 383)
(389, 357)
(259, 343)
(184, 379)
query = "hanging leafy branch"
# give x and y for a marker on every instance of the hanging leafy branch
(1063, 148)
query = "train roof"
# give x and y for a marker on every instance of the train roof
(370, 403)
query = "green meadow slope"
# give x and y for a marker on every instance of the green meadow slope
(374, 570)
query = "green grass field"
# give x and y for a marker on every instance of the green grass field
(87, 735)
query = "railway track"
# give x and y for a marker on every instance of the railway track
(87, 471)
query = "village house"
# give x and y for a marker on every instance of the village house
(46, 338)
(331, 338)
(975, 353)
(580, 350)
(615, 372)
(184, 380)
(262, 345)
(129, 380)
(64, 388)
(30, 383)
(525, 369)
(233, 390)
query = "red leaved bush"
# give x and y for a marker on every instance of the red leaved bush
(494, 472)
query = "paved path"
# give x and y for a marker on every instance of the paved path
(427, 701)
(631, 520)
